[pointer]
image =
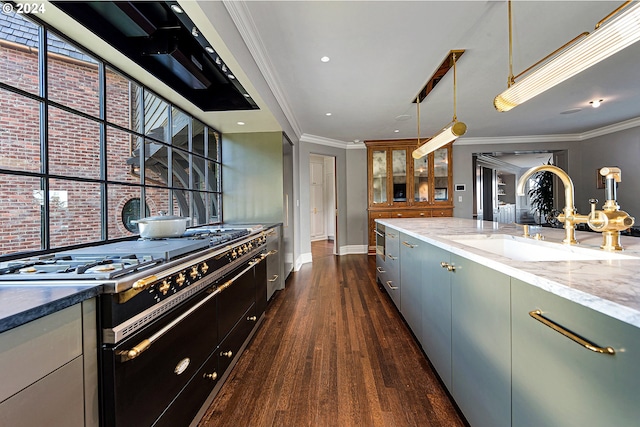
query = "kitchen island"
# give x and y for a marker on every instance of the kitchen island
(489, 320)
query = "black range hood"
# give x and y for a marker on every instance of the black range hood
(163, 40)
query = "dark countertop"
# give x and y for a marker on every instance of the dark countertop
(23, 303)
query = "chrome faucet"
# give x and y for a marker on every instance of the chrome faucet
(610, 221)
(569, 216)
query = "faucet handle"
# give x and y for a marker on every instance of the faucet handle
(525, 229)
(593, 202)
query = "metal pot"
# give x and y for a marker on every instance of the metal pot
(162, 226)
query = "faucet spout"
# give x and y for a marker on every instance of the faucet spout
(569, 216)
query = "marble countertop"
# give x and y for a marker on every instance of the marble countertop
(611, 287)
(22, 303)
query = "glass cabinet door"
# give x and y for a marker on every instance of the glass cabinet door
(379, 176)
(441, 175)
(421, 180)
(399, 167)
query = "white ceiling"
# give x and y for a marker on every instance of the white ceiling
(383, 52)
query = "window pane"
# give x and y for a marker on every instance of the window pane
(72, 76)
(157, 200)
(421, 179)
(123, 101)
(156, 169)
(180, 168)
(181, 202)
(197, 143)
(74, 145)
(122, 210)
(213, 173)
(199, 182)
(213, 149)
(20, 204)
(199, 208)
(123, 165)
(19, 66)
(74, 212)
(156, 117)
(180, 128)
(19, 132)
(213, 206)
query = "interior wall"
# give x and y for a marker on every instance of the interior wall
(252, 177)
(349, 181)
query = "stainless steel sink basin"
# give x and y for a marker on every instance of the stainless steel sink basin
(522, 249)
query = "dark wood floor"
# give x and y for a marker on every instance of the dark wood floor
(333, 351)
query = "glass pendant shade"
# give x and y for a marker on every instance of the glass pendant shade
(445, 136)
(608, 39)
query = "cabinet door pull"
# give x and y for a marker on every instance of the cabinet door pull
(274, 278)
(389, 282)
(537, 314)
(378, 233)
(380, 270)
(391, 257)
(448, 266)
(409, 244)
(391, 235)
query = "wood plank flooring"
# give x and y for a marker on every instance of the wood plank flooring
(332, 351)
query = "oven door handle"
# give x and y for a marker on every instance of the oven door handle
(135, 351)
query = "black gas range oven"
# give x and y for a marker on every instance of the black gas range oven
(173, 315)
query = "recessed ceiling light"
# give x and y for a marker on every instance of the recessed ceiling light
(195, 32)
(246, 95)
(396, 131)
(209, 49)
(327, 114)
(176, 8)
(595, 103)
(232, 77)
(241, 123)
(325, 59)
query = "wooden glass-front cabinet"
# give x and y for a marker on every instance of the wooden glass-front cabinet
(401, 186)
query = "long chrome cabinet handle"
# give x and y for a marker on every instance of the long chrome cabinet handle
(392, 257)
(380, 270)
(537, 314)
(379, 233)
(409, 244)
(389, 282)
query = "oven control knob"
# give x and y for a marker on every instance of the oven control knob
(164, 287)
(204, 268)
(239, 250)
(245, 248)
(180, 279)
(213, 376)
(250, 245)
(228, 354)
(194, 272)
(234, 254)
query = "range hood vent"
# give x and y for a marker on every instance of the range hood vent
(168, 45)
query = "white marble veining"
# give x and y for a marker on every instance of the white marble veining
(610, 286)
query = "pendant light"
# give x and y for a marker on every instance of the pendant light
(449, 133)
(616, 31)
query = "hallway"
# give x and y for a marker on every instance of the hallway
(332, 351)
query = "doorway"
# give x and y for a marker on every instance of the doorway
(323, 206)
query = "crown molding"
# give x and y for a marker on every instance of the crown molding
(243, 21)
(314, 139)
(571, 137)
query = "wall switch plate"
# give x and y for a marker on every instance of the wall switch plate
(459, 198)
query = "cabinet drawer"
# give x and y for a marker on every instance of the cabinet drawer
(35, 349)
(413, 214)
(56, 400)
(441, 212)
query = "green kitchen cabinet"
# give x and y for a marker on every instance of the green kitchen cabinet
(392, 265)
(436, 310)
(411, 256)
(558, 382)
(481, 343)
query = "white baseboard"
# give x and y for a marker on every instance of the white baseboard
(354, 249)
(302, 259)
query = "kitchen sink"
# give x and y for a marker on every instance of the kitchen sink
(523, 249)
